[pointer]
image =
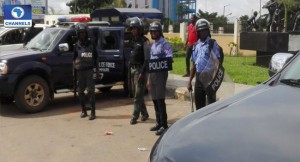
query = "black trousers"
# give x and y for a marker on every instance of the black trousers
(161, 112)
(201, 94)
(86, 81)
(189, 51)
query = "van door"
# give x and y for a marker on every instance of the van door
(110, 46)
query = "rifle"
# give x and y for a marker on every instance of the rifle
(74, 83)
(129, 84)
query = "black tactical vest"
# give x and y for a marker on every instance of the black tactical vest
(137, 52)
(85, 58)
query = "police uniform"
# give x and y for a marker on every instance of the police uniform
(137, 67)
(85, 59)
(200, 58)
(158, 81)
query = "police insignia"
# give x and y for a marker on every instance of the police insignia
(157, 65)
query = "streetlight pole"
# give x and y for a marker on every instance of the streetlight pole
(224, 9)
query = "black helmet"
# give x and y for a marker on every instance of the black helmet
(136, 22)
(155, 26)
(80, 27)
(202, 24)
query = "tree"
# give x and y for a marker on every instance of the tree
(213, 18)
(288, 5)
(243, 19)
(181, 11)
(84, 6)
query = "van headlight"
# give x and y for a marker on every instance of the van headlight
(3, 67)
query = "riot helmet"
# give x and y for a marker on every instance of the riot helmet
(202, 24)
(136, 22)
(81, 27)
(156, 26)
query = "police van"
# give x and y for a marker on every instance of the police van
(31, 76)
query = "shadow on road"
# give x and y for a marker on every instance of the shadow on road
(65, 103)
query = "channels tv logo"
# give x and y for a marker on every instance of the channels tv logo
(17, 16)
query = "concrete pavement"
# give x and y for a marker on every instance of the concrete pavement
(176, 87)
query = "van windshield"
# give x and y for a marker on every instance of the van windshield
(46, 40)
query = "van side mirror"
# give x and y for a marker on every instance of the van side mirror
(63, 47)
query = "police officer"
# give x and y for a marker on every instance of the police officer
(200, 58)
(139, 52)
(84, 60)
(160, 48)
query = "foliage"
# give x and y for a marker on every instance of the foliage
(288, 5)
(243, 20)
(177, 46)
(262, 21)
(231, 44)
(166, 23)
(217, 21)
(240, 69)
(181, 11)
(83, 6)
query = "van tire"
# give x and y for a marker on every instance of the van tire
(32, 94)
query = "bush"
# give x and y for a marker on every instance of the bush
(177, 46)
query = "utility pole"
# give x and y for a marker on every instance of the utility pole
(224, 9)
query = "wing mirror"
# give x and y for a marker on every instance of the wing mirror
(63, 47)
(278, 61)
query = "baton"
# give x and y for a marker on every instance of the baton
(192, 102)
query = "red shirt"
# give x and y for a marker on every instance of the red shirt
(192, 34)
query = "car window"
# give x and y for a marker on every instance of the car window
(13, 36)
(292, 71)
(108, 40)
(46, 40)
(70, 40)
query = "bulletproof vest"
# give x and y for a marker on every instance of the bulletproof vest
(137, 52)
(85, 58)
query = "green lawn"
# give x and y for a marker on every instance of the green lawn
(241, 69)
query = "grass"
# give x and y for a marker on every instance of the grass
(240, 69)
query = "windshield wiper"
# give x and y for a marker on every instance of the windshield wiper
(34, 48)
(292, 82)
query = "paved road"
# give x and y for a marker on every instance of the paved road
(58, 134)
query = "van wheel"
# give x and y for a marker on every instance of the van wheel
(32, 94)
(105, 89)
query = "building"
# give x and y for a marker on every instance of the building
(167, 7)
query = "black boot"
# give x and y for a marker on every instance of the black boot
(161, 130)
(155, 128)
(133, 120)
(163, 117)
(93, 115)
(83, 112)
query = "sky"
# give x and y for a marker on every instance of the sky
(233, 8)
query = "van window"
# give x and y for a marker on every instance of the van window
(109, 40)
